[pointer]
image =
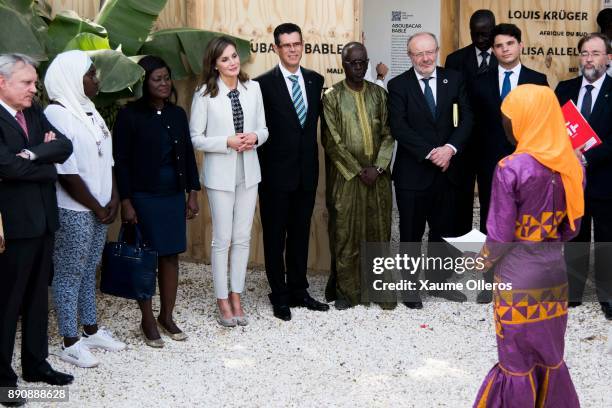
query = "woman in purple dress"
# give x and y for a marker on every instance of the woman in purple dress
(536, 204)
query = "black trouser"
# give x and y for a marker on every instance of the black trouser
(24, 278)
(285, 220)
(578, 250)
(465, 208)
(434, 206)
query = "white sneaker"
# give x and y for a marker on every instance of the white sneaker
(79, 355)
(103, 339)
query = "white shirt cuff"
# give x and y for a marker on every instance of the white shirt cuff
(32, 155)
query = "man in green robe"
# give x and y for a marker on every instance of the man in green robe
(358, 147)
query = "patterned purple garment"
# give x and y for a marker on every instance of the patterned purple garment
(527, 226)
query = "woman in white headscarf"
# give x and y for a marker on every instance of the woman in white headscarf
(87, 202)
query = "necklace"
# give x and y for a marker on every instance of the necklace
(103, 129)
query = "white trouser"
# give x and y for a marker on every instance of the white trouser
(232, 218)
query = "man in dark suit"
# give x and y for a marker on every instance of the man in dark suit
(29, 147)
(592, 94)
(487, 93)
(472, 60)
(428, 163)
(289, 171)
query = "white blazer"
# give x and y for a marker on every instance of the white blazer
(210, 125)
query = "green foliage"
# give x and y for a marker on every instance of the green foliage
(119, 36)
(129, 22)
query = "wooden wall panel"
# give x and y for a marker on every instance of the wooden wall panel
(449, 33)
(84, 8)
(322, 22)
(534, 24)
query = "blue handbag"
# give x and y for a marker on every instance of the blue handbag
(129, 270)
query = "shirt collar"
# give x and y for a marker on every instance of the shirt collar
(224, 90)
(286, 72)
(515, 70)
(10, 110)
(419, 76)
(597, 84)
(490, 51)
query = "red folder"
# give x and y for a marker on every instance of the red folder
(582, 135)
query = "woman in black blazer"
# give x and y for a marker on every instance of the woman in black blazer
(155, 167)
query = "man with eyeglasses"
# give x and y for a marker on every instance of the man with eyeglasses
(358, 147)
(289, 172)
(592, 94)
(431, 119)
(487, 93)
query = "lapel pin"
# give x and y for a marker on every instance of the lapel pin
(445, 81)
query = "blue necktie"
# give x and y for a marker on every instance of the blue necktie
(429, 97)
(506, 85)
(298, 100)
(587, 101)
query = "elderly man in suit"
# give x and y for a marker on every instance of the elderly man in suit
(428, 164)
(472, 60)
(592, 94)
(487, 93)
(29, 147)
(289, 171)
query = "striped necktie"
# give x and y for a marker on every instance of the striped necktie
(298, 99)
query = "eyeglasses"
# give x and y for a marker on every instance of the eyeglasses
(422, 54)
(289, 46)
(594, 54)
(357, 63)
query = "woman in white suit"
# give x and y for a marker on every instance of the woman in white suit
(228, 124)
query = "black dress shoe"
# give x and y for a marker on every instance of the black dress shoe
(573, 304)
(606, 307)
(49, 376)
(10, 402)
(311, 304)
(282, 312)
(452, 295)
(15, 402)
(484, 297)
(414, 305)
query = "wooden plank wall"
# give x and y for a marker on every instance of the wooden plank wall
(324, 23)
(337, 22)
(548, 32)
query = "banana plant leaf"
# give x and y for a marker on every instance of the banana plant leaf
(66, 26)
(129, 21)
(104, 99)
(22, 30)
(174, 44)
(88, 42)
(116, 71)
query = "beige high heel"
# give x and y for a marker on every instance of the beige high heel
(180, 336)
(156, 343)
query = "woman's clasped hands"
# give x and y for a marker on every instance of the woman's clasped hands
(242, 141)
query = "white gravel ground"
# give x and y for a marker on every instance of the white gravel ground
(361, 357)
